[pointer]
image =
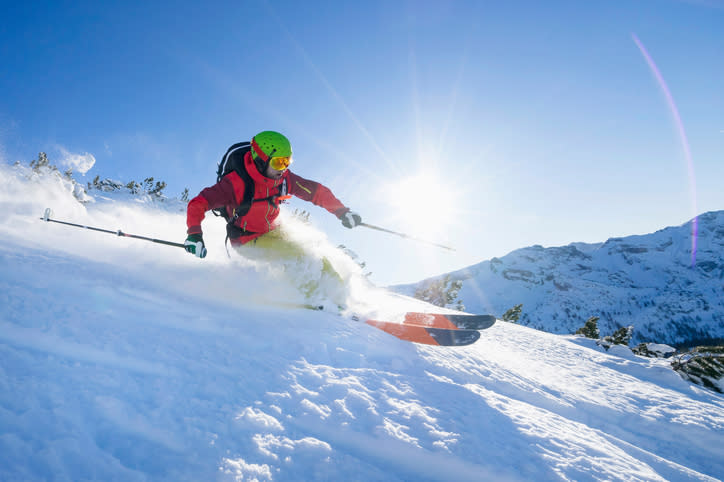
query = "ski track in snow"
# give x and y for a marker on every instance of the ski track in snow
(124, 360)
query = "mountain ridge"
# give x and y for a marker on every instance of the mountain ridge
(650, 281)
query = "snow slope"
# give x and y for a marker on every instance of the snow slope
(125, 360)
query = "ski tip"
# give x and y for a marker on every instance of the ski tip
(439, 320)
(445, 337)
(472, 322)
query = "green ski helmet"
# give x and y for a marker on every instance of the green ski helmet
(268, 144)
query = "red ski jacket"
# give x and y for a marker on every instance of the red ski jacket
(229, 192)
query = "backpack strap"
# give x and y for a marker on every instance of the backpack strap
(248, 198)
(234, 231)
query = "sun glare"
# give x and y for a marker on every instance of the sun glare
(422, 202)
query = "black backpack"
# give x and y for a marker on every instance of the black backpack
(233, 160)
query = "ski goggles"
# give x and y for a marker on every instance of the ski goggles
(280, 163)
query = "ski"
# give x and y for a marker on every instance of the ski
(427, 335)
(435, 329)
(452, 322)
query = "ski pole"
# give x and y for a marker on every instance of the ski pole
(49, 212)
(402, 235)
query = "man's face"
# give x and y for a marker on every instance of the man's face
(272, 173)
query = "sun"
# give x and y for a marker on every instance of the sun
(423, 202)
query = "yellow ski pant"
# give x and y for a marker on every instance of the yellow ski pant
(276, 246)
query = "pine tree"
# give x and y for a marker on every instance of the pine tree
(185, 195)
(441, 292)
(157, 190)
(43, 167)
(133, 187)
(590, 329)
(302, 215)
(703, 365)
(513, 314)
(622, 336)
(653, 350)
(41, 162)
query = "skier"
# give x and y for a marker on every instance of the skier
(261, 166)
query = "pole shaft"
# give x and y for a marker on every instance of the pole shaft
(403, 235)
(117, 233)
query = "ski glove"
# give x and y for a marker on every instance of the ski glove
(350, 219)
(194, 244)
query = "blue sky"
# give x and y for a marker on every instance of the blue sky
(488, 126)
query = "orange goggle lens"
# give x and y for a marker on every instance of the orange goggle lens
(280, 163)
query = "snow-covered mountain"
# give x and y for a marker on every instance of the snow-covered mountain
(130, 361)
(651, 282)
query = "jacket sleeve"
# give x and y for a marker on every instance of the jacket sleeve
(219, 195)
(316, 193)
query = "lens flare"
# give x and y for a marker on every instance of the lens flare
(684, 143)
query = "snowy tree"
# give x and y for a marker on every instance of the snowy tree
(41, 162)
(590, 329)
(302, 215)
(622, 336)
(133, 187)
(95, 184)
(153, 190)
(513, 314)
(703, 365)
(157, 189)
(148, 184)
(441, 292)
(654, 350)
(147, 187)
(42, 167)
